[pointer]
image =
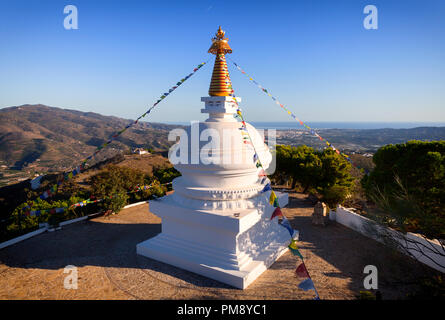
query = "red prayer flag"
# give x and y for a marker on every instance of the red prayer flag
(276, 212)
(262, 173)
(302, 271)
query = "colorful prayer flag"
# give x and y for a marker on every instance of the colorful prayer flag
(294, 249)
(295, 252)
(272, 197)
(277, 212)
(306, 285)
(276, 204)
(286, 224)
(267, 187)
(301, 271)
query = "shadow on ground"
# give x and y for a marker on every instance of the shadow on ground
(92, 243)
(349, 252)
(335, 256)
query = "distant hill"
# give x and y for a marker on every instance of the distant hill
(45, 138)
(14, 194)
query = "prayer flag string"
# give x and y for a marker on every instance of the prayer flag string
(37, 213)
(68, 175)
(307, 283)
(312, 131)
(243, 129)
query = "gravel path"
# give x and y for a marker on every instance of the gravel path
(104, 251)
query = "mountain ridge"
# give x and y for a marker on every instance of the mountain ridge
(57, 137)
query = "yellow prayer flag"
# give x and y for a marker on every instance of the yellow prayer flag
(272, 197)
(293, 244)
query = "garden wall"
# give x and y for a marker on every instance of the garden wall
(429, 252)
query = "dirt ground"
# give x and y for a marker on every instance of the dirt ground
(104, 251)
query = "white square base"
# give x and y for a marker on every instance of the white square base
(218, 245)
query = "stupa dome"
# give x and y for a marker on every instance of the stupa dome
(225, 159)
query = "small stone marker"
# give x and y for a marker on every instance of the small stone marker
(320, 215)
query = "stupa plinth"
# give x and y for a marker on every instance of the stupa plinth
(217, 222)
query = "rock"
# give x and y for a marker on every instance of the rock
(320, 215)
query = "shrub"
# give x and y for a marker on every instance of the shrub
(113, 184)
(166, 175)
(334, 182)
(416, 171)
(324, 173)
(116, 202)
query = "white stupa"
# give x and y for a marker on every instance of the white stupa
(217, 221)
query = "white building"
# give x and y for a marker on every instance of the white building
(217, 222)
(140, 151)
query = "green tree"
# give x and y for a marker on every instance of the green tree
(113, 184)
(324, 173)
(301, 164)
(116, 202)
(165, 175)
(416, 170)
(334, 182)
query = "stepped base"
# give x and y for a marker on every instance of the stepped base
(231, 246)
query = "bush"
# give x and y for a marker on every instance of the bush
(415, 171)
(18, 223)
(334, 182)
(166, 175)
(334, 195)
(113, 183)
(300, 164)
(116, 202)
(324, 173)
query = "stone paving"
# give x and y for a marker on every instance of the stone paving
(104, 251)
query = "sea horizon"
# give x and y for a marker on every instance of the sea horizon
(359, 125)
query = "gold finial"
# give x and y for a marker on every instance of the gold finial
(220, 85)
(220, 43)
(220, 34)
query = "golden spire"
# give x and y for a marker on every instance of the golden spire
(220, 84)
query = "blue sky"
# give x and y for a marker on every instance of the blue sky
(314, 56)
